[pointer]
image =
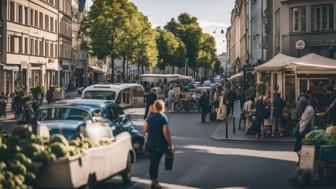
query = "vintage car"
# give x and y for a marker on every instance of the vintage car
(66, 117)
(126, 94)
(94, 165)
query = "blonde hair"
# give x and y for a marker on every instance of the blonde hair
(159, 106)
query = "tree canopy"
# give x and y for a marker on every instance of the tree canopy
(172, 50)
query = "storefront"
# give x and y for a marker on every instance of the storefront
(311, 72)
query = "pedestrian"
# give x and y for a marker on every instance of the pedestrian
(50, 95)
(28, 113)
(204, 103)
(171, 99)
(248, 111)
(278, 108)
(231, 98)
(301, 104)
(150, 99)
(261, 114)
(3, 104)
(305, 124)
(158, 140)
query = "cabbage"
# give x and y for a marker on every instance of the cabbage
(315, 137)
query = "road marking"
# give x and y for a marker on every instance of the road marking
(277, 155)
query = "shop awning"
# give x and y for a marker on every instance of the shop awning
(237, 76)
(313, 63)
(278, 62)
(11, 67)
(96, 69)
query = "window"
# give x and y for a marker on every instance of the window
(26, 45)
(12, 43)
(51, 24)
(32, 47)
(299, 19)
(46, 26)
(36, 18)
(323, 17)
(26, 15)
(20, 14)
(56, 51)
(41, 48)
(20, 44)
(31, 17)
(51, 50)
(47, 49)
(12, 11)
(36, 47)
(41, 20)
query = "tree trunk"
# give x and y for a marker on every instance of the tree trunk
(205, 73)
(127, 71)
(139, 71)
(173, 69)
(142, 69)
(112, 69)
(124, 65)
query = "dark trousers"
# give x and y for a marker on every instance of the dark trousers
(146, 111)
(204, 113)
(155, 156)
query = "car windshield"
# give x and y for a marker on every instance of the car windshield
(62, 114)
(103, 95)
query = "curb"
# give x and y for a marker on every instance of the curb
(252, 141)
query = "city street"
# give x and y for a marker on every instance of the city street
(201, 162)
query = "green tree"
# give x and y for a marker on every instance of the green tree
(172, 51)
(188, 30)
(207, 53)
(217, 67)
(106, 25)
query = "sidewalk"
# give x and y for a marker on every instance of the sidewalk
(240, 136)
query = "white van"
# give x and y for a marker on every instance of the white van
(125, 94)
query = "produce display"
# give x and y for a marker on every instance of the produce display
(319, 137)
(23, 155)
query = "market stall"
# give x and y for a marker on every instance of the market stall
(317, 164)
(155, 78)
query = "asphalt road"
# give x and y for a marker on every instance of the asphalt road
(201, 162)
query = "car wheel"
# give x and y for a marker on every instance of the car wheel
(126, 175)
(91, 184)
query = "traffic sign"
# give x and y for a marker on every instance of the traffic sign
(300, 44)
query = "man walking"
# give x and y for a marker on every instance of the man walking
(278, 108)
(204, 104)
(171, 99)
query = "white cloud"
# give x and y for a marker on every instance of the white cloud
(215, 29)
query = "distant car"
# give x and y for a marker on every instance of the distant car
(207, 83)
(66, 117)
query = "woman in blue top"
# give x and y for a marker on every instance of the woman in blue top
(158, 140)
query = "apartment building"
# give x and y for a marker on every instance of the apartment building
(29, 40)
(309, 21)
(78, 55)
(65, 41)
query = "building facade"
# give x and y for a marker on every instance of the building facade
(29, 40)
(65, 41)
(308, 21)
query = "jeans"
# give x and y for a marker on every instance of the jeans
(155, 156)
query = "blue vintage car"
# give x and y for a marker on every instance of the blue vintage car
(66, 117)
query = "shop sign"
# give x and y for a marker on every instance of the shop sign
(322, 42)
(300, 44)
(307, 158)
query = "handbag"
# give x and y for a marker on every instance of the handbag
(169, 160)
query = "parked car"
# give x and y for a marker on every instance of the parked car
(66, 117)
(96, 164)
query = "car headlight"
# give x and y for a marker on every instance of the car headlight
(136, 145)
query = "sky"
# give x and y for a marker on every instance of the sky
(213, 15)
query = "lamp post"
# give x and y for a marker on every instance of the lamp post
(222, 31)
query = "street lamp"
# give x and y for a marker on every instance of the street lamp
(222, 31)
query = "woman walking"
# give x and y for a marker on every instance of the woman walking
(158, 140)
